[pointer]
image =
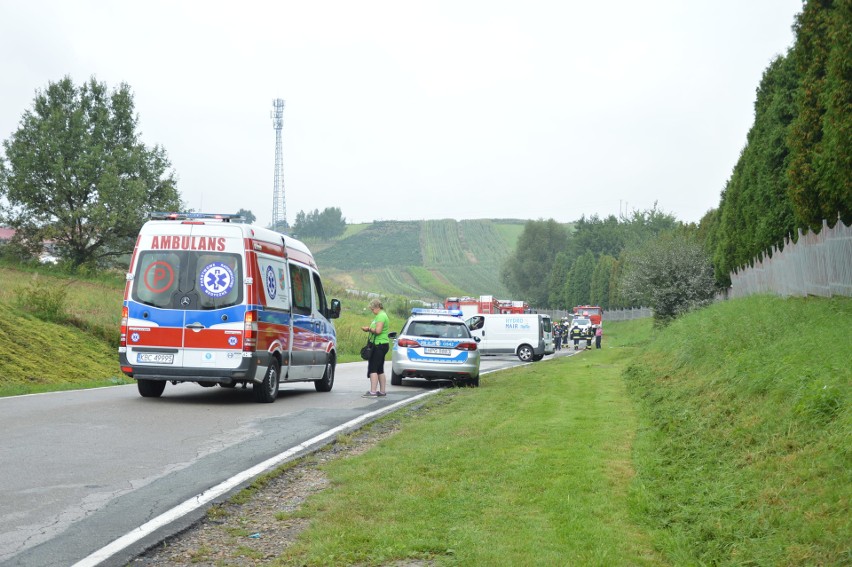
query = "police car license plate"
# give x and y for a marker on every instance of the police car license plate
(156, 358)
(441, 351)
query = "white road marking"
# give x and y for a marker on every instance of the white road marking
(210, 494)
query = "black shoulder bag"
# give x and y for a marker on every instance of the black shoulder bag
(367, 351)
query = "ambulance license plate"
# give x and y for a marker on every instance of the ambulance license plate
(441, 351)
(156, 358)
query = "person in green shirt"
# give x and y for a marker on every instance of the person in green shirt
(379, 329)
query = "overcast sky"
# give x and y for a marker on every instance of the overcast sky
(401, 110)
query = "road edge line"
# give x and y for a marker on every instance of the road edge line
(199, 500)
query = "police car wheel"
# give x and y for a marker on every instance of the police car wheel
(327, 381)
(474, 382)
(267, 391)
(396, 379)
(151, 388)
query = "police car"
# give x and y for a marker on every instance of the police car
(581, 329)
(435, 344)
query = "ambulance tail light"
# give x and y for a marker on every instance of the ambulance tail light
(123, 339)
(250, 331)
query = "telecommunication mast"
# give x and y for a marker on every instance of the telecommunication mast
(279, 205)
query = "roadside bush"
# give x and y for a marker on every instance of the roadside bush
(43, 299)
(672, 274)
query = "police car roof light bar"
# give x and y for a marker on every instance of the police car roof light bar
(224, 217)
(429, 311)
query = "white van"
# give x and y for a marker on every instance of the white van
(522, 335)
(549, 344)
(214, 301)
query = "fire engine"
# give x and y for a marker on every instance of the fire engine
(593, 312)
(470, 306)
(486, 304)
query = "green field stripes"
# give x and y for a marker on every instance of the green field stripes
(440, 244)
(484, 241)
(510, 232)
(399, 281)
(385, 243)
(430, 259)
(477, 279)
(452, 243)
(435, 283)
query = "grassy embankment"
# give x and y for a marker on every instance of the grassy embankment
(58, 332)
(724, 439)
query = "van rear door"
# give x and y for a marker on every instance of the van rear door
(187, 305)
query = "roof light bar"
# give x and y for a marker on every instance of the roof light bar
(224, 217)
(428, 311)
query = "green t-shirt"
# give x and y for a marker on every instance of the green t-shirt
(382, 338)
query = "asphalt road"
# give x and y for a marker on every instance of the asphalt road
(83, 469)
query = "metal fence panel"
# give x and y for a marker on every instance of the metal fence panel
(816, 264)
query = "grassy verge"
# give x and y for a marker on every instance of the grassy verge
(533, 467)
(744, 455)
(57, 332)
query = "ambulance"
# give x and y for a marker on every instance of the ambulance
(211, 300)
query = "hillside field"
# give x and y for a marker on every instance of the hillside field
(427, 260)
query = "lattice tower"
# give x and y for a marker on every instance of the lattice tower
(279, 204)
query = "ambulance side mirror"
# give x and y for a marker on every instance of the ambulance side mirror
(334, 310)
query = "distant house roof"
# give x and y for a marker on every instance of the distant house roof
(6, 233)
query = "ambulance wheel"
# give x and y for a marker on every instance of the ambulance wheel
(327, 381)
(267, 391)
(525, 353)
(396, 379)
(151, 388)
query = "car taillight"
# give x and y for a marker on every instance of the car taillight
(250, 331)
(407, 343)
(466, 346)
(124, 315)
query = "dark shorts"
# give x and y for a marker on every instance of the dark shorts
(376, 364)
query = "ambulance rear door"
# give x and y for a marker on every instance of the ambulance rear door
(187, 298)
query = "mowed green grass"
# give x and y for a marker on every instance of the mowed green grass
(724, 439)
(532, 468)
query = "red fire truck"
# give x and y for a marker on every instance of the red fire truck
(470, 306)
(486, 304)
(593, 312)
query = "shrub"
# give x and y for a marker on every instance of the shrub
(45, 300)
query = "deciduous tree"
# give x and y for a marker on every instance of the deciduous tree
(247, 215)
(672, 274)
(76, 173)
